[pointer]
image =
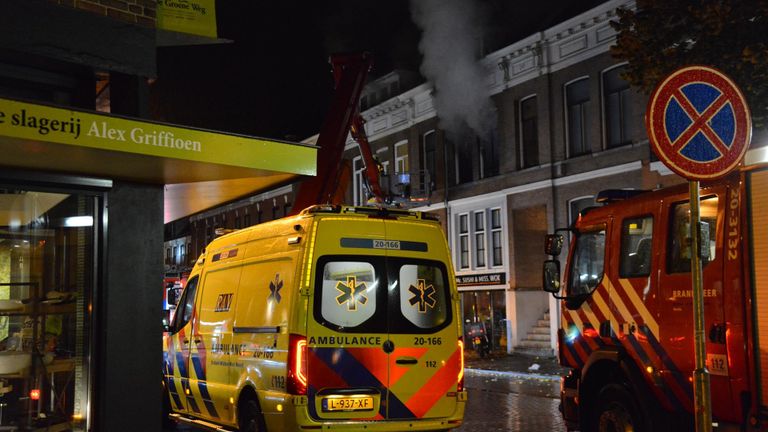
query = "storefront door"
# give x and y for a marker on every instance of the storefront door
(49, 246)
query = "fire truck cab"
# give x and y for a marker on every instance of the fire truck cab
(626, 324)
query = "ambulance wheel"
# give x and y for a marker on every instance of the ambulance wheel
(617, 411)
(251, 419)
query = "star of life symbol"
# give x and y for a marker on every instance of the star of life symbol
(423, 296)
(352, 293)
(274, 289)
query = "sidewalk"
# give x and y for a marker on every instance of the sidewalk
(516, 364)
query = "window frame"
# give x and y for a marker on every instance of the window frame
(387, 318)
(623, 120)
(624, 250)
(582, 118)
(401, 161)
(573, 267)
(521, 135)
(464, 262)
(480, 249)
(500, 231)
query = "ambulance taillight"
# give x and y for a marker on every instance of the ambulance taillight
(460, 382)
(297, 365)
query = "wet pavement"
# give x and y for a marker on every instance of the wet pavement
(509, 393)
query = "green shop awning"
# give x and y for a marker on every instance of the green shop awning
(201, 168)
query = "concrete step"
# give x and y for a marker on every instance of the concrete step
(537, 337)
(534, 352)
(540, 330)
(542, 323)
(525, 343)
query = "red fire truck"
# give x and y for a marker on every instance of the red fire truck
(626, 327)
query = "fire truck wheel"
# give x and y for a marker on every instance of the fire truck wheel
(251, 419)
(617, 411)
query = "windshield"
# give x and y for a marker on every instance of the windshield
(588, 262)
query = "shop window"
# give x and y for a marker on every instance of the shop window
(636, 252)
(577, 105)
(529, 133)
(48, 259)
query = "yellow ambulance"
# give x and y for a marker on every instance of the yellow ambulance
(339, 318)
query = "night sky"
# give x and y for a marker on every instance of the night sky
(274, 80)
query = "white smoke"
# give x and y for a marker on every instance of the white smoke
(450, 42)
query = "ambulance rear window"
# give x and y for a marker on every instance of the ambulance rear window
(369, 294)
(422, 292)
(348, 293)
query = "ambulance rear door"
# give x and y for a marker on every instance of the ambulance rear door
(382, 338)
(425, 361)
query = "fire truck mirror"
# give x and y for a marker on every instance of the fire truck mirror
(704, 241)
(553, 244)
(551, 276)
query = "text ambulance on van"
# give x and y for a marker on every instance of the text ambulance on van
(339, 318)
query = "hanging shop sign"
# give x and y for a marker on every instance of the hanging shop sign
(196, 17)
(33, 122)
(481, 279)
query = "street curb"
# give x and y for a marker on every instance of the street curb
(523, 375)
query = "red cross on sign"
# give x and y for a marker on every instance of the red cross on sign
(698, 123)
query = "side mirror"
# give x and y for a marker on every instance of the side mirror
(551, 276)
(553, 244)
(166, 320)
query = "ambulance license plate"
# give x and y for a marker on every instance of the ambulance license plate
(353, 403)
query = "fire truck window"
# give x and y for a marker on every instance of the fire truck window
(679, 258)
(186, 305)
(636, 236)
(348, 293)
(588, 263)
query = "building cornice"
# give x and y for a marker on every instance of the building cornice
(572, 41)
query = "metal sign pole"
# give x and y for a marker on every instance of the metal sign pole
(702, 396)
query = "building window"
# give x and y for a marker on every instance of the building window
(479, 235)
(189, 250)
(464, 241)
(529, 133)
(247, 220)
(496, 237)
(577, 104)
(359, 191)
(489, 155)
(175, 259)
(462, 159)
(428, 143)
(183, 256)
(383, 159)
(401, 157)
(616, 107)
(168, 255)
